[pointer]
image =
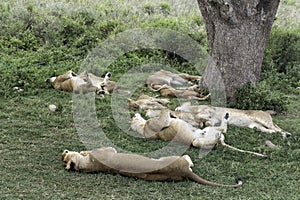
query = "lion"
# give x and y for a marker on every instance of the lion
(164, 77)
(107, 159)
(175, 85)
(188, 117)
(85, 82)
(188, 93)
(168, 128)
(145, 102)
(241, 118)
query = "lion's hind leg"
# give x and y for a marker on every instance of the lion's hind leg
(261, 128)
(189, 160)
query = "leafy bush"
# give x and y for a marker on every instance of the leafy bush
(260, 97)
(282, 56)
(280, 73)
(281, 82)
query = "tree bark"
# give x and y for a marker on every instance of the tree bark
(237, 32)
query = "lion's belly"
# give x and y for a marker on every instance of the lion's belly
(178, 131)
(240, 121)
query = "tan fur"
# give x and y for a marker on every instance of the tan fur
(185, 116)
(172, 129)
(104, 84)
(106, 159)
(145, 102)
(169, 129)
(164, 77)
(182, 93)
(175, 85)
(242, 118)
(85, 82)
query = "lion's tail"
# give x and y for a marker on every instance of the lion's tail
(156, 88)
(200, 180)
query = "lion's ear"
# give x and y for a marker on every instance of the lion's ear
(64, 155)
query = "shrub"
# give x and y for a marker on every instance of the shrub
(260, 97)
(284, 83)
(282, 53)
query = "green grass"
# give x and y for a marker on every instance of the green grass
(32, 138)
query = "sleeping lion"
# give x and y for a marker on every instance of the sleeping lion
(169, 128)
(241, 118)
(145, 102)
(84, 82)
(106, 159)
(180, 85)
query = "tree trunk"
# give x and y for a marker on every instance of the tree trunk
(237, 32)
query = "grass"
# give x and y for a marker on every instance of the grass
(32, 137)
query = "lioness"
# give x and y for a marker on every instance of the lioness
(190, 118)
(242, 118)
(188, 93)
(106, 159)
(167, 128)
(168, 78)
(85, 82)
(172, 129)
(175, 85)
(145, 102)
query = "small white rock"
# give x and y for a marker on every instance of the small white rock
(52, 107)
(18, 89)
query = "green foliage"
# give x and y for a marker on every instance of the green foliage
(282, 53)
(163, 8)
(290, 2)
(280, 72)
(260, 97)
(281, 82)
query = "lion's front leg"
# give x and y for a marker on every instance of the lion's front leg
(68, 166)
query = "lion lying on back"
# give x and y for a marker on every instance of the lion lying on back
(164, 77)
(145, 102)
(106, 159)
(175, 85)
(168, 128)
(241, 118)
(85, 82)
(188, 117)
